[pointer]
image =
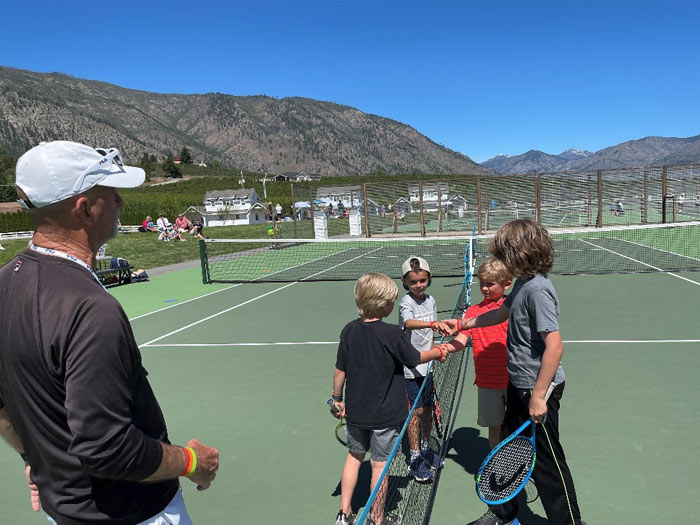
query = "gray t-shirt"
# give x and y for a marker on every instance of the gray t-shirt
(425, 310)
(534, 307)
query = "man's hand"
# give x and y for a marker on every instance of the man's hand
(33, 490)
(207, 464)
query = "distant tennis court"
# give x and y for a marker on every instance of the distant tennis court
(247, 368)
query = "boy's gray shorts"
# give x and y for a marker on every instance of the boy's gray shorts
(379, 442)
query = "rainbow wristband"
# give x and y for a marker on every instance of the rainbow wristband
(190, 462)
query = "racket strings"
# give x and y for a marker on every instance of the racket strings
(507, 470)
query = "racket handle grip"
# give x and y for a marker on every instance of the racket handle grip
(335, 409)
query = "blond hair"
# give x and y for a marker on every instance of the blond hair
(493, 270)
(524, 247)
(373, 293)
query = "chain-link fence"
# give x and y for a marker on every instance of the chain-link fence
(594, 198)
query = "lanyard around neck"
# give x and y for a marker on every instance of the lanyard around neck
(68, 256)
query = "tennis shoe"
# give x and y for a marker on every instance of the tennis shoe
(391, 518)
(343, 519)
(433, 459)
(490, 519)
(420, 471)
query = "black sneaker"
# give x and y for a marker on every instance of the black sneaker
(343, 519)
(490, 519)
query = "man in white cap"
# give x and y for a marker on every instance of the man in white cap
(74, 398)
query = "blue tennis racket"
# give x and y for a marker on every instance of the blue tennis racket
(507, 469)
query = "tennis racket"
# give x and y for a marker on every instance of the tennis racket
(341, 430)
(507, 469)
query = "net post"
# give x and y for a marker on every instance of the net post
(599, 220)
(420, 194)
(364, 202)
(203, 261)
(294, 211)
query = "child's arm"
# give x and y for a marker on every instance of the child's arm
(415, 324)
(337, 393)
(489, 318)
(434, 353)
(553, 350)
(457, 344)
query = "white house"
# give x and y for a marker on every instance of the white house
(350, 196)
(430, 194)
(233, 207)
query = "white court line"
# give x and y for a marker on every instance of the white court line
(335, 343)
(250, 301)
(642, 263)
(227, 288)
(183, 302)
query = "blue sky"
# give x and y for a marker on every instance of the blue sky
(480, 77)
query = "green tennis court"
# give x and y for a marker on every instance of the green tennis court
(247, 368)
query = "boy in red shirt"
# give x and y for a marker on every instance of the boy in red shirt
(489, 343)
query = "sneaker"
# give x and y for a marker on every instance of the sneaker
(490, 519)
(391, 518)
(343, 519)
(420, 471)
(433, 459)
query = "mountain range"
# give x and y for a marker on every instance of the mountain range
(256, 133)
(648, 151)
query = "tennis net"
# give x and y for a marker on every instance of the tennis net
(395, 491)
(617, 249)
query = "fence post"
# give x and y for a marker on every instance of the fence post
(664, 191)
(313, 214)
(645, 198)
(294, 212)
(420, 193)
(538, 200)
(364, 200)
(478, 205)
(599, 220)
(439, 209)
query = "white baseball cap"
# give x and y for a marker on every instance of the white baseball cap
(54, 171)
(422, 265)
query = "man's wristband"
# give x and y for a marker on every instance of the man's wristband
(190, 462)
(336, 397)
(432, 325)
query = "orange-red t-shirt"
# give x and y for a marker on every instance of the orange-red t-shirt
(490, 355)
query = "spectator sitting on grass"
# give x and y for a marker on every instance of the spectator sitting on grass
(197, 229)
(183, 223)
(148, 225)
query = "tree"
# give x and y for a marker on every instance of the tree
(170, 168)
(185, 156)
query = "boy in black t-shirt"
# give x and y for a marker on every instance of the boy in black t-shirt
(370, 361)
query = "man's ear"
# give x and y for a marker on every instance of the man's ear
(82, 210)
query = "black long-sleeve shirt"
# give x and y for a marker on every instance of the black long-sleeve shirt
(72, 382)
